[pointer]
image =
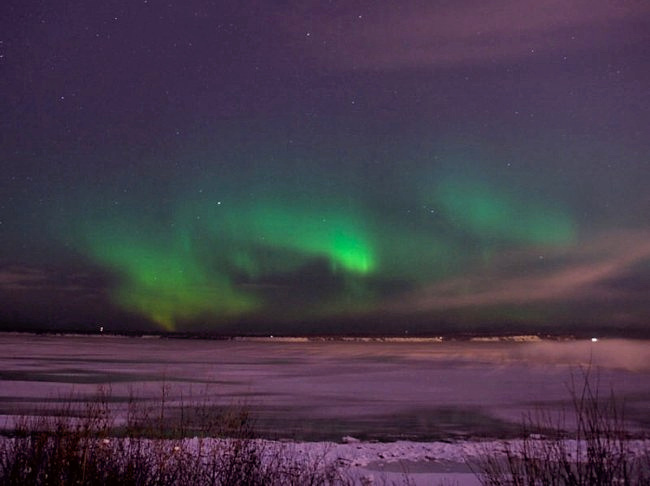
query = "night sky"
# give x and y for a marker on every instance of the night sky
(330, 166)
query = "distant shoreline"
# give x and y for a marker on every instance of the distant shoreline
(314, 338)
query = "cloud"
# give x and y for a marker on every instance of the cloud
(417, 34)
(26, 278)
(582, 272)
(21, 278)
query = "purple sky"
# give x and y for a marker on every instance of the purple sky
(325, 166)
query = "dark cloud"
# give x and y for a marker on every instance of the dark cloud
(29, 279)
(22, 278)
(589, 271)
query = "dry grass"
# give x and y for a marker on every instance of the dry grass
(81, 444)
(591, 448)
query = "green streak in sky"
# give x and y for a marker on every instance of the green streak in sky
(164, 282)
(189, 268)
(335, 235)
(493, 215)
(277, 252)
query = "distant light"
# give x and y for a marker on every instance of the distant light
(101, 328)
(594, 340)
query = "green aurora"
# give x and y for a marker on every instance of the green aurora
(226, 255)
(343, 167)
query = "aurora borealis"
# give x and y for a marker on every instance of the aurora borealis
(325, 167)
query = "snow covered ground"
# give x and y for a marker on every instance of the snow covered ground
(416, 406)
(424, 463)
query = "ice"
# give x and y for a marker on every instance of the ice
(381, 406)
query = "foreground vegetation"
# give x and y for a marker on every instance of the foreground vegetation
(589, 446)
(84, 445)
(163, 443)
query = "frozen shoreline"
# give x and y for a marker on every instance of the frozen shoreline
(369, 463)
(423, 463)
(440, 396)
(325, 390)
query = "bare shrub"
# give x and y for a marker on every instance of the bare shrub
(79, 444)
(592, 448)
